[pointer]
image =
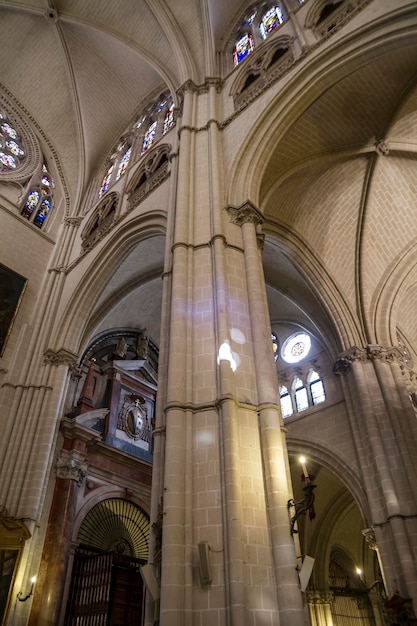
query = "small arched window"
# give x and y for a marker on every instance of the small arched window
(318, 394)
(38, 202)
(270, 21)
(301, 397)
(169, 120)
(286, 402)
(243, 47)
(117, 166)
(149, 137)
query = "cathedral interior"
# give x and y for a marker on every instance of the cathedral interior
(208, 313)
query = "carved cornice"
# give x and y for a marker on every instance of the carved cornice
(369, 353)
(60, 357)
(246, 213)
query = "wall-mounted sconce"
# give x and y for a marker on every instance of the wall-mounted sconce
(307, 503)
(204, 558)
(23, 598)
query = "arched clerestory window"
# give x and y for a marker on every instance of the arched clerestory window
(261, 21)
(317, 392)
(300, 393)
(286, 402)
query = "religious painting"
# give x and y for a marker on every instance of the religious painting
(12, 286)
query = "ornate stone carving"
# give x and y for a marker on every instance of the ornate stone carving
(71, 469)
(73, 221)
(381, 148)
(60, 357)
(246, 213)
(369, 535)
(369, 353)
(320, 597)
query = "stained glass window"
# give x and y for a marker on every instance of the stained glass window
(38, 202)
(12, 151)
(14, 148)
(244, 46)
(168, 119)
(9, 130)
(270, 21)
(42, 213)
(296, 347)
(106, 181)
(275, 346)
(149, 137)
(124, 162)
(31, 203)
(7, 161)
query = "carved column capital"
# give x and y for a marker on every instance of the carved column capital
(73, 221)
(246, 213)
(369, 536)
(320, 597)
(371, 352)
(71, 466)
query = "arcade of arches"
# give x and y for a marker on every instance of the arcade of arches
(208, 329)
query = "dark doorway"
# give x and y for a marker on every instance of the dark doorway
(106, 590)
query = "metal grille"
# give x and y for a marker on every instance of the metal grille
(116, 525)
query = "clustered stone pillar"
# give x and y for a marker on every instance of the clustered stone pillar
(272, 433)
(386, 443)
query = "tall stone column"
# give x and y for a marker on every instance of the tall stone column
(386, 461)
(225, 479)
(272, 432)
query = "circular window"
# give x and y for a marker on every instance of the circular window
(296, 347)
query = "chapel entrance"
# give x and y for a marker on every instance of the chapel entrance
(106, 586)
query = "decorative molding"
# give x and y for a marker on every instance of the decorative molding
(60, 357)
(246, 213)
(370, 353)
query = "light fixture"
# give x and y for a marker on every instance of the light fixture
(23, 598)
(307, 503)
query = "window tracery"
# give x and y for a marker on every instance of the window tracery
(12, 151)
(150, 174)
(260, 22)
(101, 221)
(39, 200)
(154, 121)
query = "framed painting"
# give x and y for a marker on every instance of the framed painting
(12, 287)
